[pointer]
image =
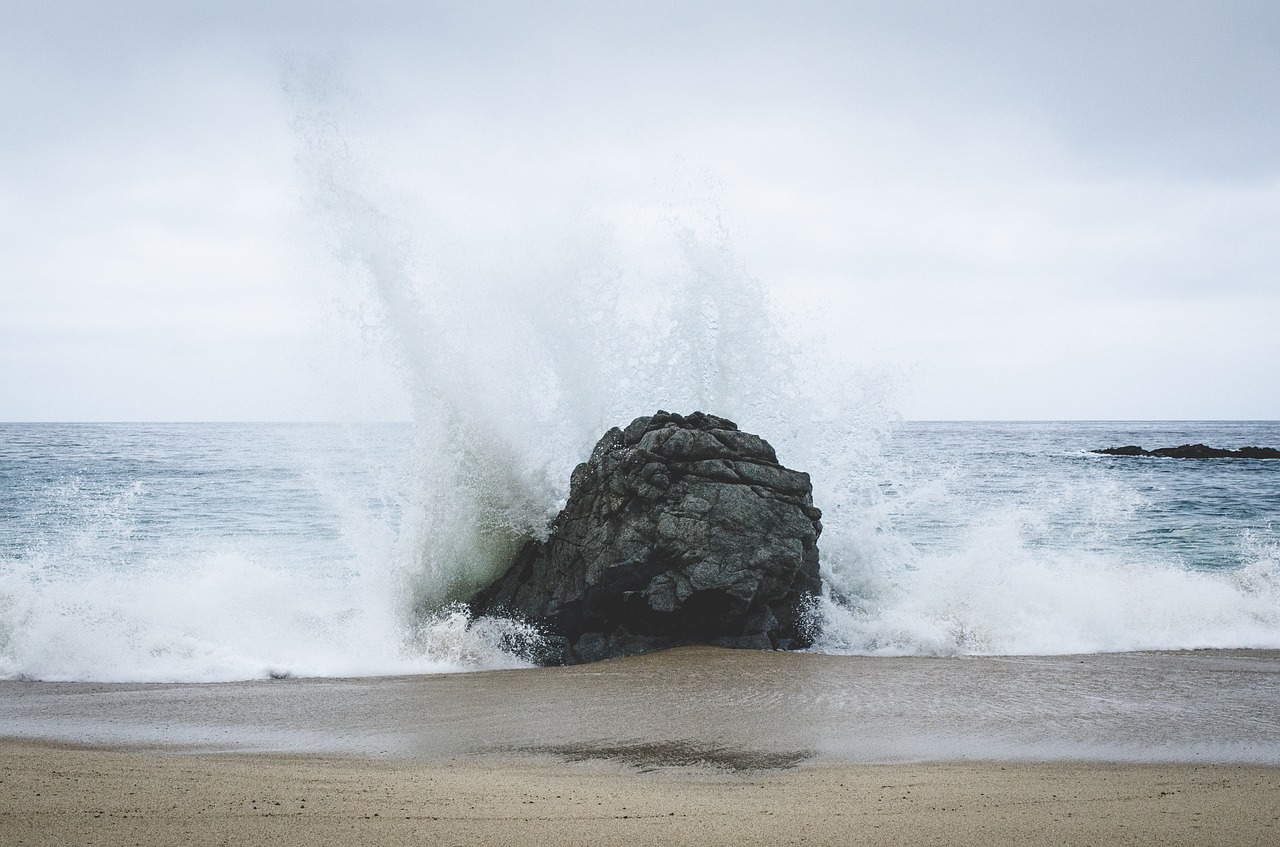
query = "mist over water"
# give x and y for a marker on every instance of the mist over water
(519, 350)
(210, 552)
(519, 362)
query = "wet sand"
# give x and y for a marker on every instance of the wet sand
(689, 746)
(1196, 706)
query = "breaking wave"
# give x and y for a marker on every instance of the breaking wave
(518, 350)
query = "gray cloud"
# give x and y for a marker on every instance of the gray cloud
(938, 174)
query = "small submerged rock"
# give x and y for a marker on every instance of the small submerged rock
(678, 530)
(1193, 451)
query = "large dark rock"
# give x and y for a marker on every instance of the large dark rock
(1193, 451)
(678, 530)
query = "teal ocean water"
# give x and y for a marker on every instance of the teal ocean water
(202, 552)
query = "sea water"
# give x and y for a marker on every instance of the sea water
(234, 551)
(201, 552)
(1014, 538)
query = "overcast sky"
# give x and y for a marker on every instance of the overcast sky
(1061, 210)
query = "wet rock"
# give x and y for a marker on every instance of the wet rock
(1131, 450)
(1194, 451)
(678, 530)
(1257, 453)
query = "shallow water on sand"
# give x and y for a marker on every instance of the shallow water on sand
(734, 709)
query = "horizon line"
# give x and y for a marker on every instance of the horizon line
(287, 422)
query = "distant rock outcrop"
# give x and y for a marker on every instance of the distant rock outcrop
(1193, 451)
(678, 530)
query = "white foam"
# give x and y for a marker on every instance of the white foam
(222, 617)
(1000, 594)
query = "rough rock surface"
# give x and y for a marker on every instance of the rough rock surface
(678, 530)
(1193, 451)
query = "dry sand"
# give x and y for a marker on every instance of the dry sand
(58, 795)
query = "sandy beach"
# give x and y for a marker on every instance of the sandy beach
(693, 746)
(57, 795)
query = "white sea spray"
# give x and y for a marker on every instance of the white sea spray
(195, 554)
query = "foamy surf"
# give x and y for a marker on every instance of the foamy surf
(307, 560)
(999, 597)
(225, 617)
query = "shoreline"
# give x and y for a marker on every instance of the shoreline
(708, 703)
(690, 746)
